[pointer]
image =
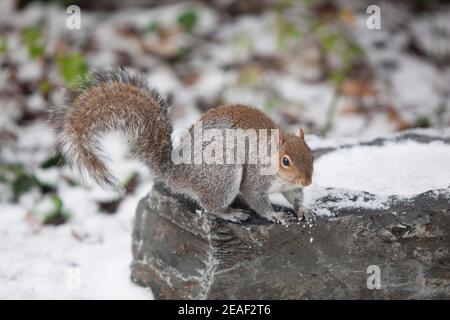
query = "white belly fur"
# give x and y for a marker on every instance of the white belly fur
(280, 185)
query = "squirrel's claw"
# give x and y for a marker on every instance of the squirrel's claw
(306, 215)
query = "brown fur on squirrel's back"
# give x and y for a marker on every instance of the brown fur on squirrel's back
(241, 117)
(117, 99)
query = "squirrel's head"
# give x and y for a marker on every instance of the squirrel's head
(295, 159)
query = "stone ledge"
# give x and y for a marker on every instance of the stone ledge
(183, 254)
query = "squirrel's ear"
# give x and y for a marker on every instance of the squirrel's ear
(301, 133)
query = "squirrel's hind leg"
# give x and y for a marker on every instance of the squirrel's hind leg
(259, 201)
(254, 190)
(218, 198)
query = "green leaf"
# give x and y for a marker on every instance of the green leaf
(54, 214)
(33, 39)
(154, 26)
(292, 30)
(3, 45)
(20, 180)
(422, 121)
(337, 77)
(44, 86)
(52, 161)
(329, 42)
(188, 20)
(72, 68)
(36, 52)
(309, 2)
(23, 183)
(31, 35)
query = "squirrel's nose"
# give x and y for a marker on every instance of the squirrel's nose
(306, 182)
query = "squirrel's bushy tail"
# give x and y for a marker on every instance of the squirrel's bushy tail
(115, 99)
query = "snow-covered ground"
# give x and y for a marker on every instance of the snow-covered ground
(232, 59)
(87, 257)
(69, 261)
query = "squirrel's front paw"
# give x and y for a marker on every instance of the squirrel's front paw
(306, 215)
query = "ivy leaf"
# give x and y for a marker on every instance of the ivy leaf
(422, 121)
(33, 39)
(57, 215)
(72, 68)
(49, 210)
(52, 161)
(31, 35)
(188, 20)
(23, 182)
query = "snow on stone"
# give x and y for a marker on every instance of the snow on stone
(406, 168)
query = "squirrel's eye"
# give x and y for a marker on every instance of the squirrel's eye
(286, 162)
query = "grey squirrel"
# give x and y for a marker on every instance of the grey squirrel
(119, 99)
